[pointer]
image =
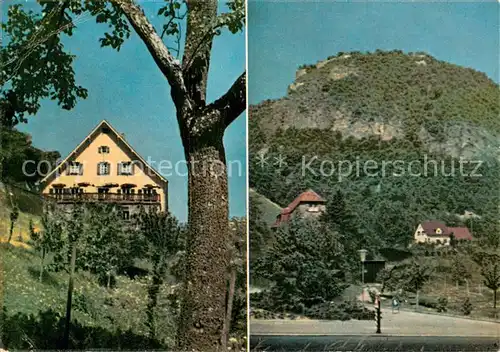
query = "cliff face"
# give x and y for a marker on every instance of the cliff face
(390, 95)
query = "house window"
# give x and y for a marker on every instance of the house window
(103, 168)
(125, 168)
(75, 168)
(103, 149)
(313, 208)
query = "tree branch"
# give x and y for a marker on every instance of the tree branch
(200, 18)
(167, 64)
(233, 103)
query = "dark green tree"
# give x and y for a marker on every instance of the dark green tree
(237, 278)
(74, 228)
(49, 237)
(104, 247)
(305, 264)
(161, 237)
(490, 270)
(410, 275)
(260, 233)
(460, 269)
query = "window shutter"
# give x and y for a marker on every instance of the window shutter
(119, 165)
(98, 169)
(80, 169)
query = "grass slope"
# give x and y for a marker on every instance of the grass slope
(30, 208)
(269, 209)
(119, 309)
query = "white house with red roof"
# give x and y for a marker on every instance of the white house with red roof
(436, 232)
(307, 204)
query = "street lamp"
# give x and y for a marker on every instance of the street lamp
(362, 257)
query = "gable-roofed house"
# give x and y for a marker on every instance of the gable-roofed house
(105, 168)
(436, 232)
(307, 204)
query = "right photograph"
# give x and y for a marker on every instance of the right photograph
(374, 174)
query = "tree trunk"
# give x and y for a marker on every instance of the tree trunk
(41, 264)
(11, 231)
(153, 301)
(416, 305)
(69, 299)
(229, 310)
(207, 258)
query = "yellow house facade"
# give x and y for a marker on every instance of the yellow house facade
(433, 232)
(105, 168)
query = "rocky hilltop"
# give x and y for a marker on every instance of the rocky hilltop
(377, 108)
(390, 95)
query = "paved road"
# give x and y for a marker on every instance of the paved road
(372, 343)
(401, 324)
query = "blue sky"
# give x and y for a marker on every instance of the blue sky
(127, 89)
(285, 34)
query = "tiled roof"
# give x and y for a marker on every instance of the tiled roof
(308, 196)
(460, 233)
(430, 228)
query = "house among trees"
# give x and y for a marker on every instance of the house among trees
(437, 232)
(105, 168)
(307, 204)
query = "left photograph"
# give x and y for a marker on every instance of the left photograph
(123, 184)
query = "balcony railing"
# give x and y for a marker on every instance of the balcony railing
(105, 197)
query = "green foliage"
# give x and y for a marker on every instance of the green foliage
(14, 214)
(460, 269)
(35, 64)
(103, 245)
(161, 237)
(340, 311)
(409, 275)
(442, 304)
(305, 265)
(49, 239)
(490, 270)
(260, 232)
(467, 306)
(16, 150)
(390, 89)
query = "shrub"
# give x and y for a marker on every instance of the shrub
(467, 306)
(340, 311)
(442, 304)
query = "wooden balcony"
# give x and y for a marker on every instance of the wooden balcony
(105, 197)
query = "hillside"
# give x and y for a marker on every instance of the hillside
(30, 208)
(269, 209)
(381, 109)
(392, 95)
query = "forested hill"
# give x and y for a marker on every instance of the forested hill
(16, 148)
(383, 107)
